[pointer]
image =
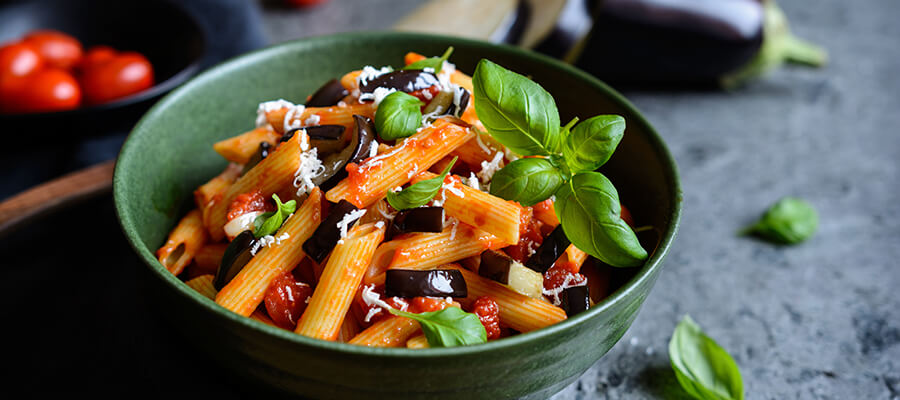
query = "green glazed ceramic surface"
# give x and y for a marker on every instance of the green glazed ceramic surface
(169, 154)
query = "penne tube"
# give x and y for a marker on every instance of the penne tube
(350, 81)
(485, 211)
(349, 328)
(517, 310)
(211, 192)
(241, 148)
(392, 331)
(281, 118)
(343, 273)
(269, 176)
(546, 213)
(573, 256)
(480, 149)
(262, 317)
(423, 250)
(369, 181)
(246, 290)
(183, 243)
(417, 342)
(209, 257)
(204, 285)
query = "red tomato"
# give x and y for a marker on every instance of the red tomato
(123, 75)
(19, 59)
(286, 300)
(488, 312)
(626, 216)
(58, 49)
(303, 3)
(47, 90)
(95, 56)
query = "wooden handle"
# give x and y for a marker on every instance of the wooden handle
(41, 200)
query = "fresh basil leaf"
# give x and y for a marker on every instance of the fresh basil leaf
(420, 193)
(592, 142)
(516, 111)
(527, 180)
(268, 223)
(789, 221)
(448, 327)
(703, 368)
(434, 63)
(398, 116)
(589, 211)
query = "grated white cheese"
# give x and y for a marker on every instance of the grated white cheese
(377, 95)
(374, 299)
(373, 150)
(453, 224)
(379, 224)
(489, 168)
(312, 120)
(554, 293)
(291, 117)
(348, 219)
(269, 106)
(310, 168)
(369, 72)
(427, 118)
(453, 189)
(472, 181)
(342, 104)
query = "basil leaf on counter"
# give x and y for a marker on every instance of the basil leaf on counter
(434, 63)
(527, 180)
(516, 111)
(269, 223)
(589, 211)
(398, 116)
(448, 327)
(790, 221)
(590, 144)
(703, 368)
(419, 193)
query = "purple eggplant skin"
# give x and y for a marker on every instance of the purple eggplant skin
(404, 80)
(237, 255)
(261, 153)
(575, 299)
(422, 219)
(431, 283)
(549, 251)
(495, 266)
(328, 95)
(637, 42)
(327, 233)
(361, 141)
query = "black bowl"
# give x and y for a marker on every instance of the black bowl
(171, 38)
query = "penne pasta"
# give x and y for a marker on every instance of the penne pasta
(209, 257)
(241, 148)
(204, 285)
(417, 342)
(211, 192)
(517, 310)
(246, 290)
(369, 181)
(183, 243)
(281, 118)
(392, 331)
(456, 242)
(343, 273)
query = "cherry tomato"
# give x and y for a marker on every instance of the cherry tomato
(58, 49)
(286, 300)
(95, 56)
(626, 216)
(19, 59)
(50, 89)
(125, 74)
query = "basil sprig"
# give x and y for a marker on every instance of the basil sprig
(268, 223)
(448, 327)
(789, 221)
(420, 193)
(434, 63)
(398, 116)
(522, 116)
(703, 368)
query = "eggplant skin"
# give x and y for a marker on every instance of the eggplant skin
(549, 251)
(327, 233)
(431, 283)
(681, 42)
(575, 300)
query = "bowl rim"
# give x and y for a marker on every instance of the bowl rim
(646, 272)
(158, 89)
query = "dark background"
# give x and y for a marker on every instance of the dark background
(816, 321)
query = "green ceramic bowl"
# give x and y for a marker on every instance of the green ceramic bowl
(169, 153)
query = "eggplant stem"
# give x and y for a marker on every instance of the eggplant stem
(800, 51)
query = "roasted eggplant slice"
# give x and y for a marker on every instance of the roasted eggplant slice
(501, 268)
(459, 103)
(328, 233)
(237, 255)
(328, 95)
(575, 299)
(361, 142)
(434, 283)
(422, 219)
(327, 139)
(404, 80)
(264, 149)
(553, 246)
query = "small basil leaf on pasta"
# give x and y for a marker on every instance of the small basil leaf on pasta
(516, 111)
(703, 368)
(434, 63)
(448, 327)
(789, 221)
(268, 223)
(527, 181)
(589, 211)
(590, 144)
(420, 193)
(398, 116)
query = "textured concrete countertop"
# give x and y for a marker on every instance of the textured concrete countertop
(818, 320)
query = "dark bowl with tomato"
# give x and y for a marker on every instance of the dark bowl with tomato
(125, 36)
(159, 167)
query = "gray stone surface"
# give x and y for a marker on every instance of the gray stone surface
(816, 321)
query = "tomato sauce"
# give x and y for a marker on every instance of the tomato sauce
(530, 237)
(488, 312)
(286, 300)
(248, 202)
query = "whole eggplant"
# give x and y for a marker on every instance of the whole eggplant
(679, 42)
